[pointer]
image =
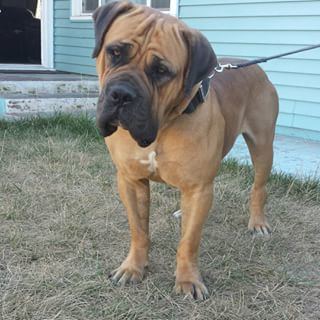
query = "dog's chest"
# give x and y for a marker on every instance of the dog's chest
(145, 165)
(150, 163)
(162, 161)
(135, 162)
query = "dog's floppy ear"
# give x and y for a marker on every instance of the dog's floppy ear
(103, 18)
(201, 59)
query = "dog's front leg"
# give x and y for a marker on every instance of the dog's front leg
(195, 205)
(135, 195)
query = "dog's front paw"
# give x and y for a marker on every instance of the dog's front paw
(127, 273)
(259, 226)
(194, 289)
(190, 284)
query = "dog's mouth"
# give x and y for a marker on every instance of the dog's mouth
(143, 132)
(141, 126)
(143, 139)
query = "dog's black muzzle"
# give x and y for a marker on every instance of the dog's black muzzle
(124, 102)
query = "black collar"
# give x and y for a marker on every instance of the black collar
(199, 97)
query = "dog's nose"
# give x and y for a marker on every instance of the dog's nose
(121, 95)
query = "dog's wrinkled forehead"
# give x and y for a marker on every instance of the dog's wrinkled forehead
(143, 27)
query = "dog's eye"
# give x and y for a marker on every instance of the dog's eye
(119, 54)
(115, 54)
(159, 73)
(161, 70)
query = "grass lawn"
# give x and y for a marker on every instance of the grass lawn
(63, 229)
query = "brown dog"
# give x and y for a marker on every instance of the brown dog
(159, 127)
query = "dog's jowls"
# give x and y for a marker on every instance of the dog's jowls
(150, 66)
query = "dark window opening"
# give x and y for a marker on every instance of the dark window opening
(20, 35)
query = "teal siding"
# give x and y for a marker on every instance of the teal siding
(73, 41)
(236, 28)
(257, 28)
(2, 108)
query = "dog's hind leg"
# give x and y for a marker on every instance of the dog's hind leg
(261, 151)
(135, 195)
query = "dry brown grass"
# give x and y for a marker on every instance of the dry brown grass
(63, 229)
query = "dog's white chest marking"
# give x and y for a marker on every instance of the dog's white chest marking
(151, 162)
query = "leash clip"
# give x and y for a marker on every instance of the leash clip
(220, 68)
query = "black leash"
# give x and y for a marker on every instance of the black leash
(202, 93)
(228, 66)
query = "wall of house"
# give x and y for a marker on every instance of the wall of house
(258, 28)
(236, 28)
(73, 41)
